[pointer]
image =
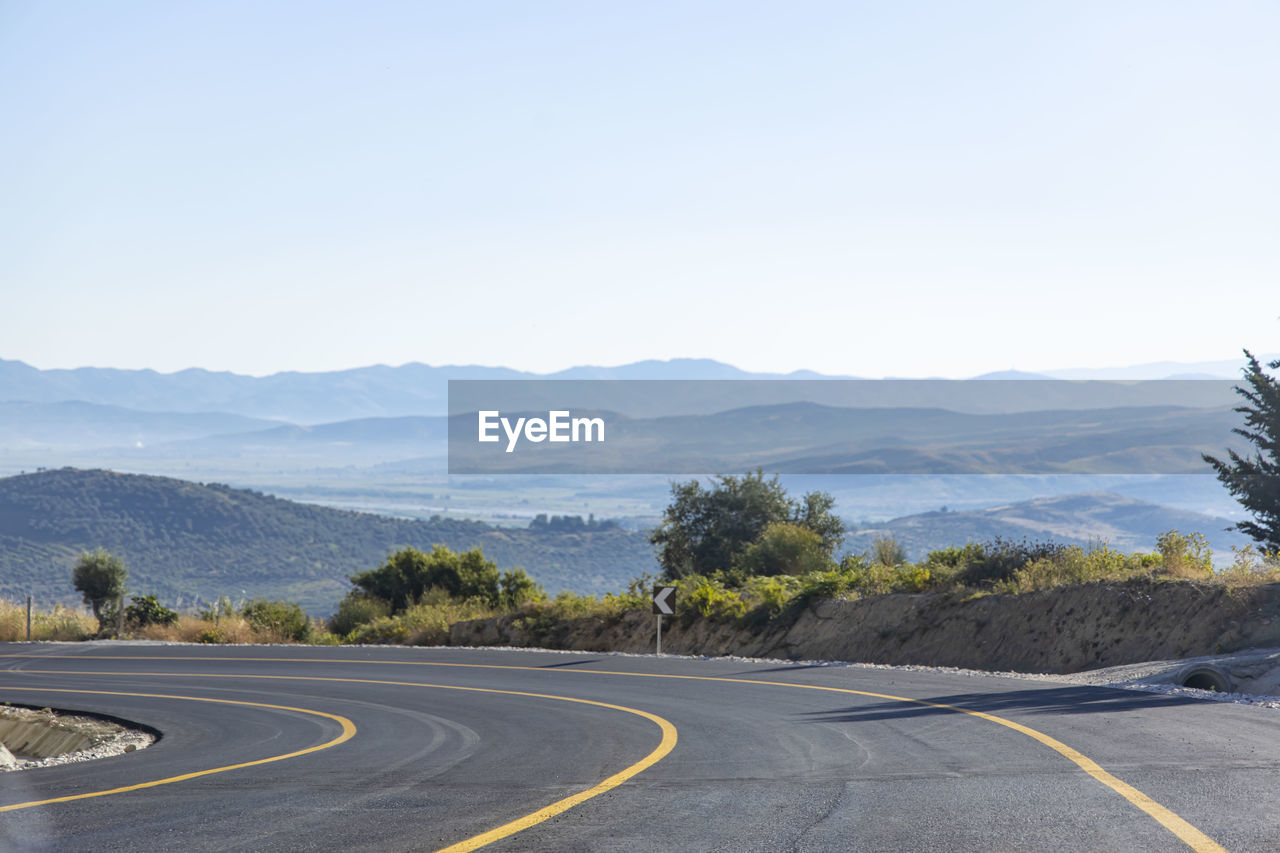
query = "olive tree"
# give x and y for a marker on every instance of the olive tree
(99, 576)
(706, 530)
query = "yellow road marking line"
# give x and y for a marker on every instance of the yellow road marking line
(1170, 820)
(348, 731)
(668, 743)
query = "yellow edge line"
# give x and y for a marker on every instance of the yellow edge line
(668, 743)
(1185, 831)
(348, 731)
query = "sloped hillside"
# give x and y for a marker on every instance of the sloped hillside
(1122, 522)
(1061, 630)
(183, 540)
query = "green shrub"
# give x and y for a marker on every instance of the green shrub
(709, 598)
(517, 588)
(771, 595)
(1184, 556)
(571, 605)
(211, 635)
(887, 551)
(782, 549)
(830, 584)
(424, 623)
(910, 578)
(1076, 565)
(1251, 566)
(409, 573)
(998, 560)
(383, 631)
(147, 610)
(356, 610)
(321, 636)
(863, 577)
(281, 620)
(946, 565)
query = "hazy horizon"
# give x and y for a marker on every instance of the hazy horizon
(1126, 370)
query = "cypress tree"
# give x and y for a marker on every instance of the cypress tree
(1254, 480)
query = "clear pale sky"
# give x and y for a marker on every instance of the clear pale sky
(864, 188)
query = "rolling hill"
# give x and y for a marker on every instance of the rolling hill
(26, 426)
(184, 540)
(1124, 523)
(809, 438)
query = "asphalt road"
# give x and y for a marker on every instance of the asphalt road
(419, 749)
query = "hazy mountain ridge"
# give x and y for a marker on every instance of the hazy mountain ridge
(410, 389)
(312, 398)
(75, 423)
(359, 441)
(790, 437)
(816, 439)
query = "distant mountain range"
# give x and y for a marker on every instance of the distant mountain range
(311, 398)
(186, 541)
(1123, 523)
(411, 389)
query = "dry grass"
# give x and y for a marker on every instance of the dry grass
(424, 624)
(60, 623)
(1250, 568)
(193, 629)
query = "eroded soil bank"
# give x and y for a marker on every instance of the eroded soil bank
(40, 737)
(1063, 630)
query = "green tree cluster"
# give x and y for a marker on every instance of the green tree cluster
(744, 526)
(406, 575)
(413, 596)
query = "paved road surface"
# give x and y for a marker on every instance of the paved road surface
(419, 749)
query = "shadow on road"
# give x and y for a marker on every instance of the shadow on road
(1055, 700)
(790, 667)
(568, 663)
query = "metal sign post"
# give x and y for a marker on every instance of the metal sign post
(664, 603)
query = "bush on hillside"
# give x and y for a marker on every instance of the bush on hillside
(146, 610)
(281, 620)
(356, 610)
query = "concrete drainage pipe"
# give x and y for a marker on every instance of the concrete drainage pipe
(1204, 677)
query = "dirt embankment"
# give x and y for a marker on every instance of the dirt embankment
(1055, 631)
(31, 737)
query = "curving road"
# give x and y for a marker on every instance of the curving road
(299, 748)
